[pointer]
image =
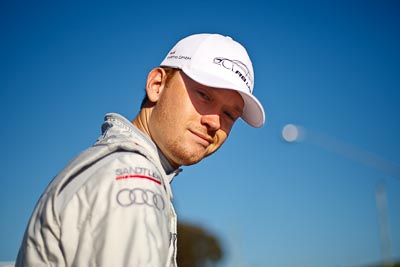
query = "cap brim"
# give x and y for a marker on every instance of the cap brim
(253, 113)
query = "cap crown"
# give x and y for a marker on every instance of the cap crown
(215, 55)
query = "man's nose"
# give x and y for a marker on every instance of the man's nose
(212, 121)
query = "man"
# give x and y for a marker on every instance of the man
(111, 206)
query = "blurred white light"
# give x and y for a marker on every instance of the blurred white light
(290, 133)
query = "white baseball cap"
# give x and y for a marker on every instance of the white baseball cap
(218, 61)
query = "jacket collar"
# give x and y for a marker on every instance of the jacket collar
(144, 140)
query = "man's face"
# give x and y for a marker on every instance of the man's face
(191, 121)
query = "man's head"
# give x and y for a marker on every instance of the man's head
(202, 87)
(218, 61)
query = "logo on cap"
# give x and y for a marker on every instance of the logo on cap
(236, 67)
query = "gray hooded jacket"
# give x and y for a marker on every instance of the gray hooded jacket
(110, 206)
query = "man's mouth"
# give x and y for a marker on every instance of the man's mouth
(203, 139)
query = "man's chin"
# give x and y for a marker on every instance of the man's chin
(192, 161)
(195, 159)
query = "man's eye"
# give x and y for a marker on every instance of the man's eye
(203, 95)
(230, 116)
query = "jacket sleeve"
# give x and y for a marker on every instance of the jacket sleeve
(118, 216)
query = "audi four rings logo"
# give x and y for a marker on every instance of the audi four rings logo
(138, 196)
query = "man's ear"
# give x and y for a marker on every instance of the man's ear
(156, 80)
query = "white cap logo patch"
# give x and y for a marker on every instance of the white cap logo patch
(237, 67)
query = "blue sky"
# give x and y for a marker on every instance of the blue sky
(330, 66)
